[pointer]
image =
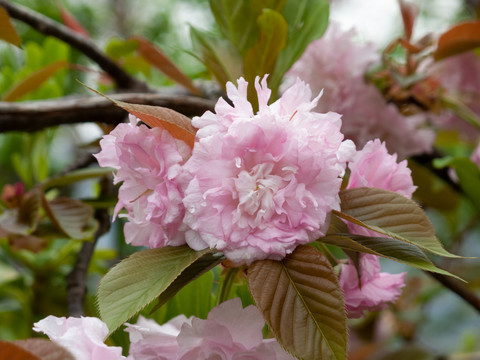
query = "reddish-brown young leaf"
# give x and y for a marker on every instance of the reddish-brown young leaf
(409, 13)
(27, 242)
(72, 23)
(44, 349)
(7, 31)
(302, 302)
(460, 38)
(10, 351)
(178, 125)
(162, 62)
(34, 81)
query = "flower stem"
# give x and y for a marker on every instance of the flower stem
(227, 283)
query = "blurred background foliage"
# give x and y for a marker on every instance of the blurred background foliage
(426, 322)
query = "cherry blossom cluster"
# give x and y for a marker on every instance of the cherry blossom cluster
(255, 185)
(229, 332)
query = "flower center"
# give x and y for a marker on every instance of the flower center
(256, 190)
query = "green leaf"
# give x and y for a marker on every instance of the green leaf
(237, 21)
(137, 280)
(262, 57)
(118, 48)
(34, 81)
(468, 176)
(307, 21)
(192, 272)
(7, 31)
(386, 247)
(218, 55)
(390, 214)
(71, 216)
(302, 302)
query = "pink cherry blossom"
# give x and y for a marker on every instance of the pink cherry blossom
(373, 166)
(337, 64)
(149, 163)
(229, 332)
(263, 183)
(459, 77)
(377, 288)
(82, 337)
(150, 341)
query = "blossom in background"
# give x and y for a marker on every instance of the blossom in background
(82, 337)
(373, 166)
(149, 163)
(262, 184)
(337, 64)
(229, 332)
(459, 76)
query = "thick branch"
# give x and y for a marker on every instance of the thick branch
(47, 26)
(458, 288)
(37, 115)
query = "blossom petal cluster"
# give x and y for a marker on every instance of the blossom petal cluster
(373, 291)
(459, 76)
(254, 186)
(82, 337)
(373, 166)
(148, 162)
(263, 183)
(337, 64)
(229, 332)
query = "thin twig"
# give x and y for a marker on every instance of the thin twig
(87, 47)
(458, 288)
(77, 279)
(37, 115)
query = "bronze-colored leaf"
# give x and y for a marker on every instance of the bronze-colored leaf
(302, 302)
(178, 125)
(7, 31)
(162, 62)
(44, 349)
(34, 81)
(409, 13)
(27, 242)
(72, 23)
(390, 214)
(460, 38)
(71, 216)
(10, 351)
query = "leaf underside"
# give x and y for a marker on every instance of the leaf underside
(302, 302)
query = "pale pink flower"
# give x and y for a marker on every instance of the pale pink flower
(149, 163)
(229, 332)
(263, 183)
(373, 166)
(459, 77)
(82, 337)
(377, 288)
(150, 341)
(337, 64)
(475, 157)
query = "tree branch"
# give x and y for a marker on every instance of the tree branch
(458, 288)
(77, 279)
(47, 26)
(36, 115)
